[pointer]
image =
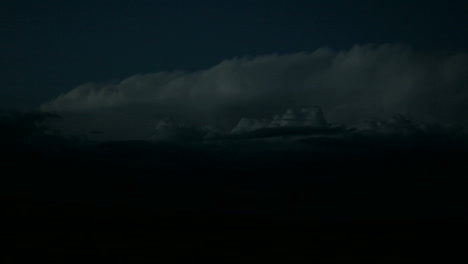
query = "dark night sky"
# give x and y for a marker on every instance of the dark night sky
(49, 47)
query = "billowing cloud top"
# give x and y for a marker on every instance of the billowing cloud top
(364, 82)
(304, 117)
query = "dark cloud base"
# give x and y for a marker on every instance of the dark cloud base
(195, 196)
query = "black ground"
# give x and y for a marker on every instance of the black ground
(373, 196)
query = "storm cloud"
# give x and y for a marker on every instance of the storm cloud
(363, 83)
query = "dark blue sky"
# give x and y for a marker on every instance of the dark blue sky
(49, 47)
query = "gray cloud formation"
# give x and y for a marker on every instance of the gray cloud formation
(364, 82)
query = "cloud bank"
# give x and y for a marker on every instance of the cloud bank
(362, 83)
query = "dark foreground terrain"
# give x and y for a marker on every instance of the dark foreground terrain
(378, 197)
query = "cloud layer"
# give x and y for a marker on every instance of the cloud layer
(362, 83)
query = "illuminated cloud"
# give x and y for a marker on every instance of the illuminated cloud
(352, 86)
